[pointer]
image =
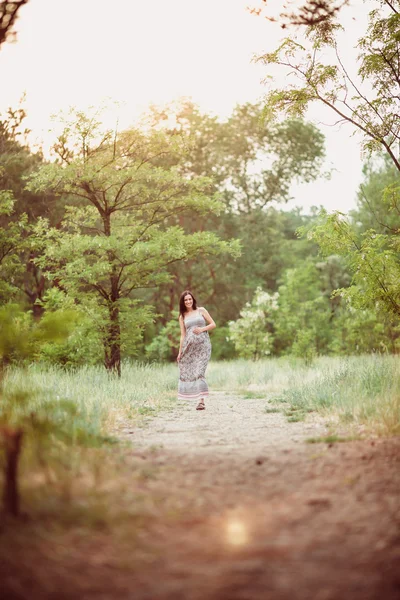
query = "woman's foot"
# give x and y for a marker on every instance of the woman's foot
(201, 405)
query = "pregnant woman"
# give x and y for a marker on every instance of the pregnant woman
(194, 349)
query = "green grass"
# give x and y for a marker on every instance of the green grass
(71, 418)
(359, 391)
(331, 439)
(99, 397)
(356, 390)
(252, 395)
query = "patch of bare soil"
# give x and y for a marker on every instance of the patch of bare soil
(241, 508)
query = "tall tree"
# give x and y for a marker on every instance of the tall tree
(252, 163)
(369, 241)
(17, 161)
(368, 101)
(120, 237)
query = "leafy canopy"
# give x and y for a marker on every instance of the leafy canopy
(117, 235)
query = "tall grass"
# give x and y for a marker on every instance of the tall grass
(363, 390)
(75, 456)
(270, 375)
(99, 396)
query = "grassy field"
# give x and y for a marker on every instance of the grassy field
(70, 419)
(360, 391)
(363, 390)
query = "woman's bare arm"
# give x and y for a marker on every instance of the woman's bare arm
(183, 333)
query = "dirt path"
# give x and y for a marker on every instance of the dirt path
(267, 515)
(229, 503)
(230, 425)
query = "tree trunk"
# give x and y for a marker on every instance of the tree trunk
(112, 342)
(12, 444)
(34, 286)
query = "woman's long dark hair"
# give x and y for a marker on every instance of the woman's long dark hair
(182, 307)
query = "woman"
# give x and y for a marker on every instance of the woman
(194, 349)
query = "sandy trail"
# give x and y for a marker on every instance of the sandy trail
(229, 425)
(268, 515)
(229, 503)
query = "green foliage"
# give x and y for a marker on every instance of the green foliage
(20, 279)
(14, 334)
(269, 246)
(252, 332)
(110, 263)
(82, 347)
(359, 331)
(322, 76)
(375, 208)
(311, 319)
(11, 245)
(222, 345)
(303, 312)
(21, 337)
(304, 346)
(252, 162)
(165, 346)
(371, 257)
(119, 239)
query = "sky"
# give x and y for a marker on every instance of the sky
(133, 53)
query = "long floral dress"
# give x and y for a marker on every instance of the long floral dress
(195, 354)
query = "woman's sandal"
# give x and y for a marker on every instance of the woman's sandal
(200, 406)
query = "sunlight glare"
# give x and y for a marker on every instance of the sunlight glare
(236, 532)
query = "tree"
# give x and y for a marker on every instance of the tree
(312, 12)
(11, 245)
(252, 164)
(304, 311)
(369, 101)
(372, 210)
(252, 333)
(361, 331)
(252, 160)
(16, 163)
(119, 238)
(372, 257)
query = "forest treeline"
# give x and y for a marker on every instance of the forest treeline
(98, 243)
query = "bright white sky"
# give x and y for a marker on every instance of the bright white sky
(137, 52)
